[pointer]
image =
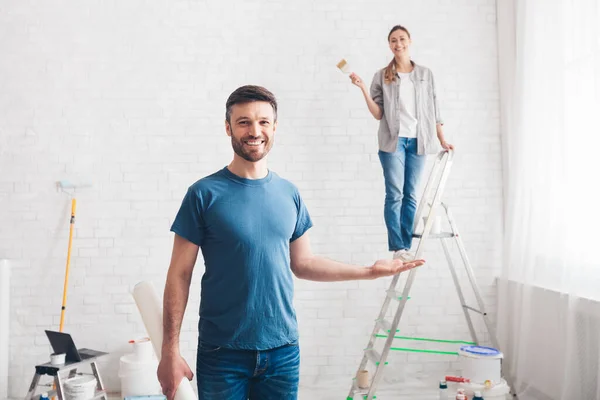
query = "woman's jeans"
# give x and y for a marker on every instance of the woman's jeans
(401, 172)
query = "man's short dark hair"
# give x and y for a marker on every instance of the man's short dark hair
(248, 94)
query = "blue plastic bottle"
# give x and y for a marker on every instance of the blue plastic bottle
(44, 396)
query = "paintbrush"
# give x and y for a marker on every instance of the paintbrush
(344, 66)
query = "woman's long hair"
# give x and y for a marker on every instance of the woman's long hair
(390, 71)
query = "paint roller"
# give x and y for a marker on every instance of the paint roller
(69, 188)
(150, 308)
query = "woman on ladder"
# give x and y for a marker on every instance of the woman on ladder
(403, 98)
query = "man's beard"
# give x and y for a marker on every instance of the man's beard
(250, 153)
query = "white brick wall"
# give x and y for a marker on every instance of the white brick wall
(130, 96)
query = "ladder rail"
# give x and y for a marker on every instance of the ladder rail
(471, 275)
(459, 291)
(435, 203)
(388, 341)
(373, 337)
(448, 156)
(412, 274)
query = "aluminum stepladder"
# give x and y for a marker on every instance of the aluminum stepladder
(442, 165)
(71, 367)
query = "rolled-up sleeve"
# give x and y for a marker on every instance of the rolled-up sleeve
(376, 90)
(438, 116)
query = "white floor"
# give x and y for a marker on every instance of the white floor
(414, 389)
(341, 393)
(409, 390)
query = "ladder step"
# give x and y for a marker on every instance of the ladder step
(357, 390)
(385, 325)
(440, 235)
(395, 295)
(374, 356)
(361, 392)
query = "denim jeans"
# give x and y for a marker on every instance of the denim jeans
(226, 374)
(401, 173)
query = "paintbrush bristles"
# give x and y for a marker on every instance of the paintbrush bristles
(343, 66)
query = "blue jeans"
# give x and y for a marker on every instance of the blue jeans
(226, 374)
(401, 172)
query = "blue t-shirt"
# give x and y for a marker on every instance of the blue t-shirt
(244, 228)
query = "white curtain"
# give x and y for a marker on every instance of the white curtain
(549, 291)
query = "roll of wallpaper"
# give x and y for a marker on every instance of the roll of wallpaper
(4, 326)
(151, 310)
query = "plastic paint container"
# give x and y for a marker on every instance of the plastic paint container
(480, 364)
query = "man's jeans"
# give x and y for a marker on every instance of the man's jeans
(401, 172)
(226, 374)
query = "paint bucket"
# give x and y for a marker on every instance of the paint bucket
(81, 387)
(138, 377)
(495, 392)
(480, 364)
(57, 358)
(362, 379)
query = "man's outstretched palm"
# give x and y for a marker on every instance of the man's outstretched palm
(383, 268)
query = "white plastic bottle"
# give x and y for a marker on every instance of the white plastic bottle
(443, 390)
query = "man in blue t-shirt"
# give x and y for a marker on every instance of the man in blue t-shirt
(251, 226)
